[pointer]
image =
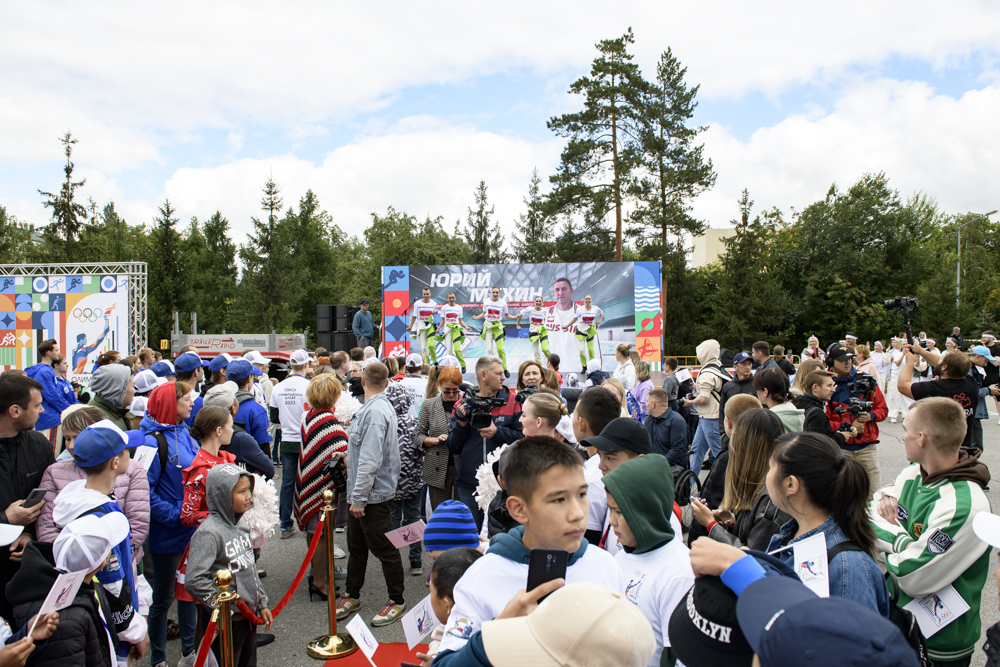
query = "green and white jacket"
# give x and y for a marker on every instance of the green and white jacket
(934, 545)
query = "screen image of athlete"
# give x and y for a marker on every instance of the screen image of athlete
(452, 326)
(538, 331)
(494, 311)
(587, 319)
(422, 318)
(83, 348)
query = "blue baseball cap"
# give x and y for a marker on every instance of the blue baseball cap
(241, 369)
(188, 362)
(221, 362)
(787, 624)
(984, 351)
(103, 441)
(741, 357)
(162, 369)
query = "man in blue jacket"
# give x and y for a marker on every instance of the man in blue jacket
(363, 325)
(251, 414)
(54, 399)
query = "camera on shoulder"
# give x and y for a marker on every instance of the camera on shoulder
(480, 406)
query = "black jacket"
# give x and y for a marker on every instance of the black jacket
(249, 455)
(80, 640)
(712, 491)
(23, 460)
(466, 443)
(816, 419)
(668, 436)
(730, 389)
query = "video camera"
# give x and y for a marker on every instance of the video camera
(337, 469)
(905, 305)
(480, 406)
(854, 407)
(521, 396)
(862, 385)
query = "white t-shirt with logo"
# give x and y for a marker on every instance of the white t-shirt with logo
(587, 317)
(290, 397)
(417, 386)
(536, 318)
(656, 582)
(424, 312)
(451, 314)
(494, 310)
(564, 343)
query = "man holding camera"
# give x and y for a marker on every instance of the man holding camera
(479, 424)
(954, 383)
(856, 400)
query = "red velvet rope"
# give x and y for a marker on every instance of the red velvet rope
(206, 644)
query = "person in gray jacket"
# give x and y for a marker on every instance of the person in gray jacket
(223, 541)
(372, 475)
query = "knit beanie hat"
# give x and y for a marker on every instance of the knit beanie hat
(110, 382)
(450, 526)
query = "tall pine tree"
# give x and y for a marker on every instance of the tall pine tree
(68, 215)
(481, 233)
(169, 286)
(533, 241)
(213, 273)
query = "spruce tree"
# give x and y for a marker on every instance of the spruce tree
(481, 233)
(533, 241)
(68, 215)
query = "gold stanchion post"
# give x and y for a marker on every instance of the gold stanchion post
(223, 580)
(332, 645)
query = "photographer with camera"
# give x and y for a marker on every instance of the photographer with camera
(856, 401)
(480, 423)
(954, 383)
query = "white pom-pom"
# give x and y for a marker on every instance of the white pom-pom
(345, 408)
(262, 518)
(488, 486)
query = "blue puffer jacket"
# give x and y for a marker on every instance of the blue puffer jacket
(167, 534)
(56, 395)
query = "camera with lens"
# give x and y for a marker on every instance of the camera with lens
(863, 385)
(480, 406)
(521, 396)
(854, 407)
(904, 304)
(337, 469)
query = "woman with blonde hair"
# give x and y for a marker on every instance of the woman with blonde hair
(615, 385)
(625, 371)
(864, 362)
(807, 366)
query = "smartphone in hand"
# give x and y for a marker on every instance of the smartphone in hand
(36, 496)
(544, 565)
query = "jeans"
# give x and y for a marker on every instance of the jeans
(286, 497)
(467, 496)
(707, 436)
(368, 534)
(164, 574)
(275, 446)
(364, 341)
(403, 512)
(976, 429)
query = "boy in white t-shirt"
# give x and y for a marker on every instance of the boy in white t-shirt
(452, 329)
(548, 497)
(656, 566)
(422, 323)
(588, 318)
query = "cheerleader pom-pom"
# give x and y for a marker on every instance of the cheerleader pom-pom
(262, 518)
(345, 408)
(488, 486)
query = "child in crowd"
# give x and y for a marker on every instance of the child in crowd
(552, 363)
(102, 452)
(131, 489)
(595, 409)
(924, 521)
(548, 497)
(451, 526)
(223, 541)
(83, 636)
(447, 570)
(655, 564)
(643, 386)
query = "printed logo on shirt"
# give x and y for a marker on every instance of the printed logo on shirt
(918, 529)
(462, 628)
(901, 513)
(113, 564)
(634, 586)
(939, 542)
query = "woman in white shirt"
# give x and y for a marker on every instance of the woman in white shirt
(625, 371)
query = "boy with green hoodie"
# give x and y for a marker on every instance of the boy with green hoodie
(655, 564)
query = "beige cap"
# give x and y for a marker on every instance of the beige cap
(579, 625)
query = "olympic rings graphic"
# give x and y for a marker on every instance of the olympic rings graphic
(88, 314)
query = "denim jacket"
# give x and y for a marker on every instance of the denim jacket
(853, 575)
(372, 453)
(982, 411)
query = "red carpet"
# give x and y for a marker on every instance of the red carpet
(387, 655)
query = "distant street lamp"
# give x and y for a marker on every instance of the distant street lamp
(958, 269)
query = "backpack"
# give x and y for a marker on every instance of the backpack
(722, 374)
(633, 407)
(901, 618)
(682, 485)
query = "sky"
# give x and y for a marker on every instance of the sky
(410, 105)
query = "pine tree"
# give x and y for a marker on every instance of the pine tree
(169, 288)
(68, 215)
(533, 240)
(213, 272)
(315, 261)
(481, 233)
(15, 239)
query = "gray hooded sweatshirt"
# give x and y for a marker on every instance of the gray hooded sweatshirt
(222, 541)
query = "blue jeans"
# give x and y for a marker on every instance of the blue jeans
(467, 495)
(164, 573)
(706, 436)
(286, 497)
(403, 512)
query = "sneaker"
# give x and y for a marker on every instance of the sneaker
(346, 605)
(160, 664)
(264, 638)
(338, 552)
(390, 614)
(892, 420)
(506, 373)
(261, 574)
(417, 571)
(463, 370)
(285, 534)
(339, 530)
(187, 660)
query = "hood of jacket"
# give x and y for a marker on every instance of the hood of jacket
(219, 485)
(111, 383)
(400, 398)
(36, 575)
(510, 546)
(707, 351)
(33, 371)
(968, 469)
(806, 401)
(242, 396)
(162, 404)
(644, 490)
(75, 500)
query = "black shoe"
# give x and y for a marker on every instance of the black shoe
(264, 638)
(506, 373)
(314, 590)
(463, 370)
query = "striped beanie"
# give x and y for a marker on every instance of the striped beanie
(451, 526)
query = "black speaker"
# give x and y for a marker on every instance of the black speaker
(337, 341)
(342, 311)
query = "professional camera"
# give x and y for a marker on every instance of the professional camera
(480, 406)
(863, 385)
(854, 407)
(337, 469)
(521, 396)
(905, 305)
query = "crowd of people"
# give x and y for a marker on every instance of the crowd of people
(684, 513)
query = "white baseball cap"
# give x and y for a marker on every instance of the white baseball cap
(987, 528)
(450, 361)
(9, 533)
(85, 542)
(255, 357)
(146, 381)
(299, 358)
(138, 407)
(414, 360)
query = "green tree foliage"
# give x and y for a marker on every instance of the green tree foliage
(108, 238)
(315, 239)
(15, 240)
(68, 215)
(482, 234)
(533, 241)
(169, 285)
(604, 139)
(213, 273)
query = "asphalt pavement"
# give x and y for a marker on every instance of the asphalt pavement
(302, 620)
